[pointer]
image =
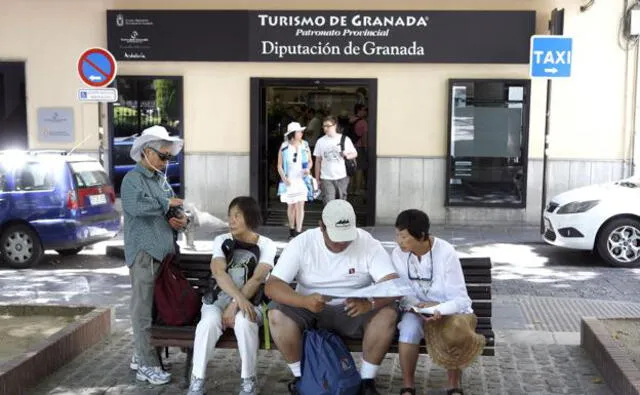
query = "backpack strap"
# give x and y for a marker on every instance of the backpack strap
(342, 141)
(285, 158)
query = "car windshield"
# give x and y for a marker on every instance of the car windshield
(89, 174)
(633, 182)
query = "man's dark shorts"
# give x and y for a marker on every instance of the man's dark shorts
(334, 318)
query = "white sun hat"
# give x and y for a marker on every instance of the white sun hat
(294, 127)
(155, 133)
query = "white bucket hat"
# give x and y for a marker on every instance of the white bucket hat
(294, 127)
(155, 133)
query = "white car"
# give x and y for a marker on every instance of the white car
(601, 218)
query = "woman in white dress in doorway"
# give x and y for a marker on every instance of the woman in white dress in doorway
(294, 163)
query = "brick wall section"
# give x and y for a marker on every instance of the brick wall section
(42, 359)
(613, 361)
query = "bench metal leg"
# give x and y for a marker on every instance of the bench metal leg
(188, 365)
(159, 353)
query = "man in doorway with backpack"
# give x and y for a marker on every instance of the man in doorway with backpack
(334, 153)
(151, 216)
(335, 256)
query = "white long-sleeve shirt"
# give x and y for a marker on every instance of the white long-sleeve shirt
(440, 280)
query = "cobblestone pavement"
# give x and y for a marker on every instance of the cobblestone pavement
(539, 293)
(517, 368)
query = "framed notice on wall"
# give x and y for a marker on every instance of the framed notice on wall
(55, 125)
(321, 36)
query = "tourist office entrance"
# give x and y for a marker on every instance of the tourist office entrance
(445, 92)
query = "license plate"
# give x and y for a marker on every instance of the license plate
(97, 200)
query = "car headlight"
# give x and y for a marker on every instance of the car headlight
(578, 207)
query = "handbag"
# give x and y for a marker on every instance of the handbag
(282, 188)
(351, 165)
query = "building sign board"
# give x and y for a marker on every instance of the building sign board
(55, 125)
(420, 36)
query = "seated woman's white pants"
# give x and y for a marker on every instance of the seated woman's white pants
(411, 328)
(208, 332)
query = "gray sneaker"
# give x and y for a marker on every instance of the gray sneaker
(154, 375)
(196, 387)
(248, 386)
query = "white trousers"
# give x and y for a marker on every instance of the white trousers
(208, 332)
(411, 328)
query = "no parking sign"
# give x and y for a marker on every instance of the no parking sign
(97, 67)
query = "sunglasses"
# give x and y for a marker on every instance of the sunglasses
(163, 156)
(417, 276)
(295, 157)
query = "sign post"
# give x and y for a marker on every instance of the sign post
(550, 58)
(97, 68)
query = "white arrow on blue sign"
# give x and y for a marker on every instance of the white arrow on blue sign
(550, 56)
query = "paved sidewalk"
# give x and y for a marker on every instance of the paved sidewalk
(518, 368)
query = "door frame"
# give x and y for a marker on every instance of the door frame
(258, 156)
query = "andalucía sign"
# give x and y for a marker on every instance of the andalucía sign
(420, 36)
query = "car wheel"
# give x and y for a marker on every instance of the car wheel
(69, 251)
(619, 243)
(20, 246)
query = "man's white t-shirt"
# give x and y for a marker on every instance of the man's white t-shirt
(333, 167)
(318, 270)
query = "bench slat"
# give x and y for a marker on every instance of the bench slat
(470, 277)
(475, 291)
(482, 292)
(479, 278)
(466, 262)
(184, 336)
(475, 262)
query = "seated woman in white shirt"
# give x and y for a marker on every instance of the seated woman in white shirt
(240, 263)
(432, 267)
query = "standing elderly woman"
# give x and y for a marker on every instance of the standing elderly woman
(432, 267)
(148, 238)
(294, 165)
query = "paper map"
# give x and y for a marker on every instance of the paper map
(385, 289)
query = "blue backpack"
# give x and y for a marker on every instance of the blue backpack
(327, 366)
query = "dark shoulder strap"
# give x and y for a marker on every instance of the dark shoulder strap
(342, 140)
(229, 245)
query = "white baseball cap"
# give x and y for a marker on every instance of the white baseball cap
(340, 220)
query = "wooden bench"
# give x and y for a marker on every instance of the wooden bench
(477, 273)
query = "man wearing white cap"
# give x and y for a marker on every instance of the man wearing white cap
(329, 260)
(148, 238)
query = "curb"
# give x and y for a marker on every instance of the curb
(611, 360)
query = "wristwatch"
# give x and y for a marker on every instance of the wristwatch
(373, 303)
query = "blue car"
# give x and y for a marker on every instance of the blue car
(52, 201)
